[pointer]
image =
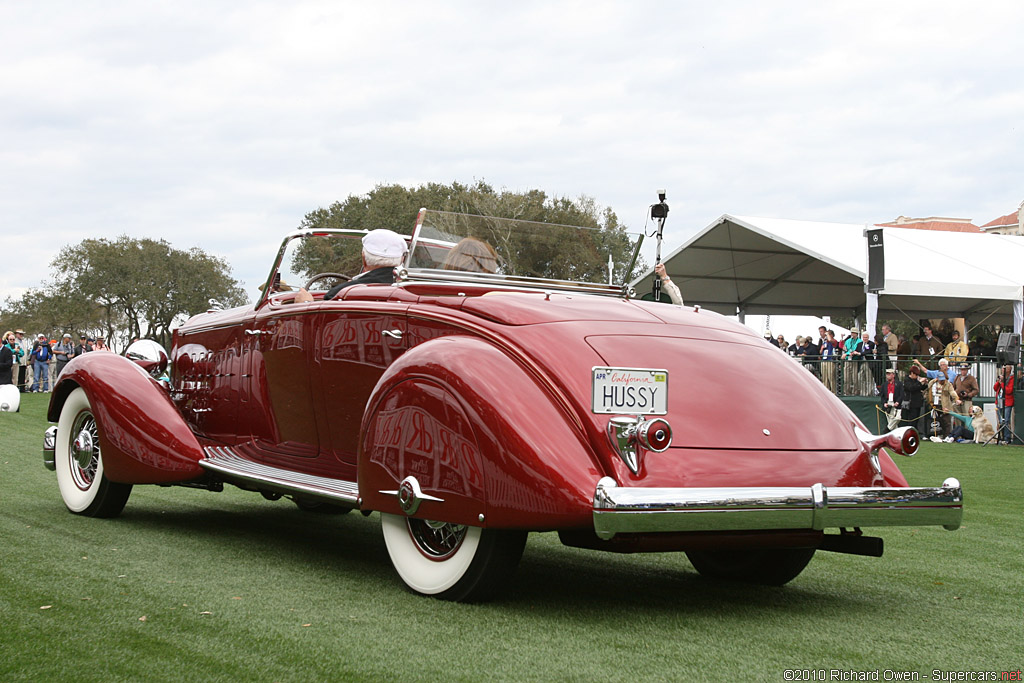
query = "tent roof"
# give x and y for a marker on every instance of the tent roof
(781, 266)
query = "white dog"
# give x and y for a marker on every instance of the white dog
(983, 430)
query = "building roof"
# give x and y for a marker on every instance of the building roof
(1007, 220)
(933, 223)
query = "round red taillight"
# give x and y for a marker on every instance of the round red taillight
(910, 441)
(655, 435)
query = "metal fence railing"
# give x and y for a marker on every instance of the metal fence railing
(862, 377)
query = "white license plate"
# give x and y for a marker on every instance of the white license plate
(629, 390)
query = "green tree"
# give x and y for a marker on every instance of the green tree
(143, 286)
(53, 311)
(395, 207)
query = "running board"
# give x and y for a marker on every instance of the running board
(246, 474)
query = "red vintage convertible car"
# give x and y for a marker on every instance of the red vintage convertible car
(469, 403)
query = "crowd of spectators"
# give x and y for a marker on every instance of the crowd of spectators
(34, 365)
(923, 381)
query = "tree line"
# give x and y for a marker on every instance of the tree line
(395, 207)
(123, 289)
(128, 288)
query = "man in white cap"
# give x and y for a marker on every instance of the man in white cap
(383, 250)
(64, 351)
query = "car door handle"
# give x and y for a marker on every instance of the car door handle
(394, 334)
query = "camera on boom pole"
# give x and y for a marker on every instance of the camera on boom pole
(659, 212)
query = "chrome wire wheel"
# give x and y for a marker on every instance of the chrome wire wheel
(84, 450)
(437, 540)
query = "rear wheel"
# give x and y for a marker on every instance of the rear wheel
(79, 462)
(765, 566)
(452, 561)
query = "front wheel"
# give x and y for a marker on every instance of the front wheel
(765, 566)
(79, 462)
(451, 561)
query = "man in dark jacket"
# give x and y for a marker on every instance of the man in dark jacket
(913, 392)
(383, 250)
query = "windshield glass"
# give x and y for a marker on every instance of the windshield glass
(334, 256)
(523, 249)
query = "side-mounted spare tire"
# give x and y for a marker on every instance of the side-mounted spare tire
(79, 462)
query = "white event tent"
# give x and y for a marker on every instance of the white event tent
(743, 265)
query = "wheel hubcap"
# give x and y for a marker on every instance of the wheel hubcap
(82, 449)
(85, 450)
(437, 540)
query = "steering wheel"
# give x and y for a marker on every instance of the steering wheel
(324, 276)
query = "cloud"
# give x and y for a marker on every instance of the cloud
(220, 125)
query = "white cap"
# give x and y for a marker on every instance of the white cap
(384, 243)
(67, 336)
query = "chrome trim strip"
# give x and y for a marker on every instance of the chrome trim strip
(637, 510)
(224, 461)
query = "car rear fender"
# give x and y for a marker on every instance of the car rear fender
(143, 438)
(484, 438)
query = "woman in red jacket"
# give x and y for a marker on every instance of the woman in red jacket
(1004, 402)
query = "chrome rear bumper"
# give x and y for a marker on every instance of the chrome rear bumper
(642, 510)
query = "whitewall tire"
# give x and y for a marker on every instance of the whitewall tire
(450, 561)
(79, 462)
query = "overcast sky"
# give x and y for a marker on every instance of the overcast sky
(221, 124)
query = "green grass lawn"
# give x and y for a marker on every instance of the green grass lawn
(199, 586)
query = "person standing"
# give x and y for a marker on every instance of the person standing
(903, 353)
(1004, 402)
(890, 395)
(41, 354)
(829, 353)
(63, 352)
(943, 401)
(892, 342)
(866, 384)
(966, 387)
(822, 336)
(913, 393)
(82, 347)
(956, 351)
(929, 345)
(852, 356)
(24, 362)
(8, 361)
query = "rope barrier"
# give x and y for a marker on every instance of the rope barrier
(966, 419)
